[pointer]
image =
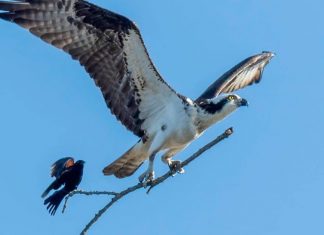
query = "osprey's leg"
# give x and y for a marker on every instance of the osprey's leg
(158, 141)
(148, 175)
(174, 165)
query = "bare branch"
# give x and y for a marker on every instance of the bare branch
(113, 200)
(87, 193)
(221, 137)
(151, 185)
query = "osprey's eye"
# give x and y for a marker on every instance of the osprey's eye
(231, 97)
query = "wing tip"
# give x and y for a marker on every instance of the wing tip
(8, 9)
(7, 16)
(11, 6)
(267, 55)
(109, 170)
(45, 193)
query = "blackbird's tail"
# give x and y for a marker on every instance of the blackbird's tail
(55, 200)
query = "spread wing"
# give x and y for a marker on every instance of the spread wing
(110, 48)
(60, 166)
(247, 72)
(59, 170)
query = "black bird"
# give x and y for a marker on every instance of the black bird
(67, 173)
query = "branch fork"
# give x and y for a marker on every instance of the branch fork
(116, 196)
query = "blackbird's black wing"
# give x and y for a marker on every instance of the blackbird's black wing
(60, 166)
(59, 170)
(56, 184)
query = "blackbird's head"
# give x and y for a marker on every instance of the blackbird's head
(80, 162)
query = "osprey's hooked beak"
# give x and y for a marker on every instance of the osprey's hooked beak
(243, 102)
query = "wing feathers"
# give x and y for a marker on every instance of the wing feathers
(108, 45)
(60, 165)
(245, 73)
(10, 6)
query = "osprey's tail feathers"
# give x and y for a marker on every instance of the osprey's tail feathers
(128, 163)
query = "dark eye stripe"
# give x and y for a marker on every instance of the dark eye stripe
(213, 108)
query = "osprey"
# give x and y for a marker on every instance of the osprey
(110, 48)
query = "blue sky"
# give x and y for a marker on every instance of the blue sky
(266, 179)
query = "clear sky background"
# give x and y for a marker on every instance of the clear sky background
(267, 179)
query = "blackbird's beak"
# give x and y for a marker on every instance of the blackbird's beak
(243, 102)
(81, 162)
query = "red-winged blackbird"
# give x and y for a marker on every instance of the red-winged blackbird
(67, 173)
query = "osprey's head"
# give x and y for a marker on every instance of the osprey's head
(218, 108)
(223, 104)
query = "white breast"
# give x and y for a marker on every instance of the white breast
(180, 129)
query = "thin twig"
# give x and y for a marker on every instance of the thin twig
(87, 193)
(113, 200)
(117, 196)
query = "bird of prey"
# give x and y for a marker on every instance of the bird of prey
(69, 175)
(111, 49)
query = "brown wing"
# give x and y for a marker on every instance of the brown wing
(247, 72)
(60, 166)
(108, 45)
